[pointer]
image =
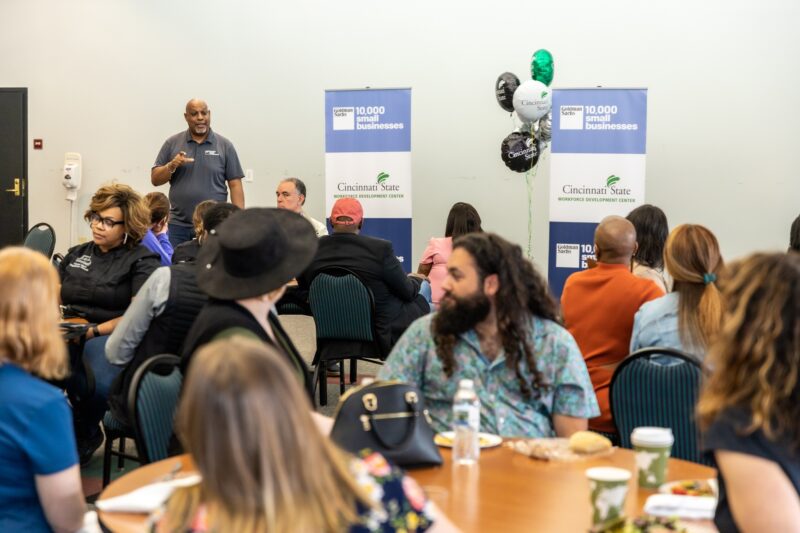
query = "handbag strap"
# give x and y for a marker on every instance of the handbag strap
(368, 421)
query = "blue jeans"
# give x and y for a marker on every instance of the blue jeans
(425, 291)
(94, 353)
(178, 234)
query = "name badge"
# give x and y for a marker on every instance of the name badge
(211, 152)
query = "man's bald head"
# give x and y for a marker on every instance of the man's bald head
(195, 102)
(615, 240)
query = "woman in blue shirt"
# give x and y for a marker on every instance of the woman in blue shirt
(689, 316)
(40, 484)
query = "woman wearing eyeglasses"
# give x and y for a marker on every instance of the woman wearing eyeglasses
(98, 280)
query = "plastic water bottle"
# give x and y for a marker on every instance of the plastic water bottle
(466, 424)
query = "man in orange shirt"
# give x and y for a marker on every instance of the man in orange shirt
(598, 307)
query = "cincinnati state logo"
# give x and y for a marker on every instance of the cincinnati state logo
(382, 178)
(612, 180)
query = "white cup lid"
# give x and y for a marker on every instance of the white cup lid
(652, 436)
(608, 473)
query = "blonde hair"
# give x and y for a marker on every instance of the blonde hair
(756, 358)
(265, 466)
(135, 212)
(692, 258)
(29, 317)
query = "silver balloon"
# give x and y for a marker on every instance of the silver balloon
(545, 128)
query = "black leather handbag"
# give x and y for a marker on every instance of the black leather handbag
(387, 417)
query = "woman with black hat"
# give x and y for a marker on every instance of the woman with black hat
(244, 267)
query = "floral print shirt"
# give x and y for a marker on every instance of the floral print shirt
(567, 388)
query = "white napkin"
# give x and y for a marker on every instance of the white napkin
(692, 507)
(146, 499)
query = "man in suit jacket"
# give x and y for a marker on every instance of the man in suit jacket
(398, 301)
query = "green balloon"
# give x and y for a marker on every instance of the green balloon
(542, 66)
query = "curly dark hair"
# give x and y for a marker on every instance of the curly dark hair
(523, 292)
(651, 234)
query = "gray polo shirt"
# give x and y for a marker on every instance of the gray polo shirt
(215, 162)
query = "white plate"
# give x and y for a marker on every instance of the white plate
(666, 488)
(487, 440)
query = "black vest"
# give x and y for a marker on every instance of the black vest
(220, 316)
(166, 332)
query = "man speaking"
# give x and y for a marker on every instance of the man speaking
(199, 164)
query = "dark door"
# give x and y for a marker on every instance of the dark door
(13, 165)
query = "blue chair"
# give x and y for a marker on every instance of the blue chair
(344, 309)
(646, 392)
(42, 238)
(152, 401)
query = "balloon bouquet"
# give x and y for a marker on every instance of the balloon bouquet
(532, 101)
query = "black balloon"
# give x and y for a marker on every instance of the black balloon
(504, 89)
(519, 151)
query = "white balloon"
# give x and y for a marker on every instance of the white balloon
(532, 100)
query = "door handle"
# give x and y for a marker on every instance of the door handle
(16, 189)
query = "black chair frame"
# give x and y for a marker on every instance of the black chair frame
(132, 430)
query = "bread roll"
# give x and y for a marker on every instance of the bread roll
(588, 442)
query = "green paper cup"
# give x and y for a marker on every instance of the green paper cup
(608, 487)
(652, 446)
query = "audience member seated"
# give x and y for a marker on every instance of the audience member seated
(794, 236)
(599, 304)
(749, 407)
(497, 325)
(398, 301)
(243, 266)
(651, 227)
(187, 251)
(40, 481)
(462, 219)
(159, 318)
(98, 281)
(291, 195)
(156, 238)
(266, 467)
(689, 317)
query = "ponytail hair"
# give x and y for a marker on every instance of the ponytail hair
(693, 259)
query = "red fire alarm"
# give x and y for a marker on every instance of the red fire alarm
(37, 144)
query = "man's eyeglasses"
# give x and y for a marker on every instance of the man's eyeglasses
(107, 222)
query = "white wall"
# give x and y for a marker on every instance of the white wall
(109, 78)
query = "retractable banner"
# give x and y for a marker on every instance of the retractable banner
(368, 157)
(597, 169)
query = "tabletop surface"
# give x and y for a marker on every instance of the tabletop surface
(505, 491)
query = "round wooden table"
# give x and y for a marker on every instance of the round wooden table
(505, 492)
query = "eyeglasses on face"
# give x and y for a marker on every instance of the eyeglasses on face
(106, 222)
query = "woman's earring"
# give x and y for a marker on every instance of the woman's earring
(125, 239)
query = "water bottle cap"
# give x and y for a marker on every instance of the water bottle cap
(466, 384)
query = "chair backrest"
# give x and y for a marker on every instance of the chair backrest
(152, 402)
(644, 392)
(42, 238)
(342, 305)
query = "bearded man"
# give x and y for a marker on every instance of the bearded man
(497, 325)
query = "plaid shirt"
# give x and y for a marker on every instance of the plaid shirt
(504, 411)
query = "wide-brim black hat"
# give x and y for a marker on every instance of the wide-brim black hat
(253, 252)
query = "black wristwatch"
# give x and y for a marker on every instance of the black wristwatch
(95, 331)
